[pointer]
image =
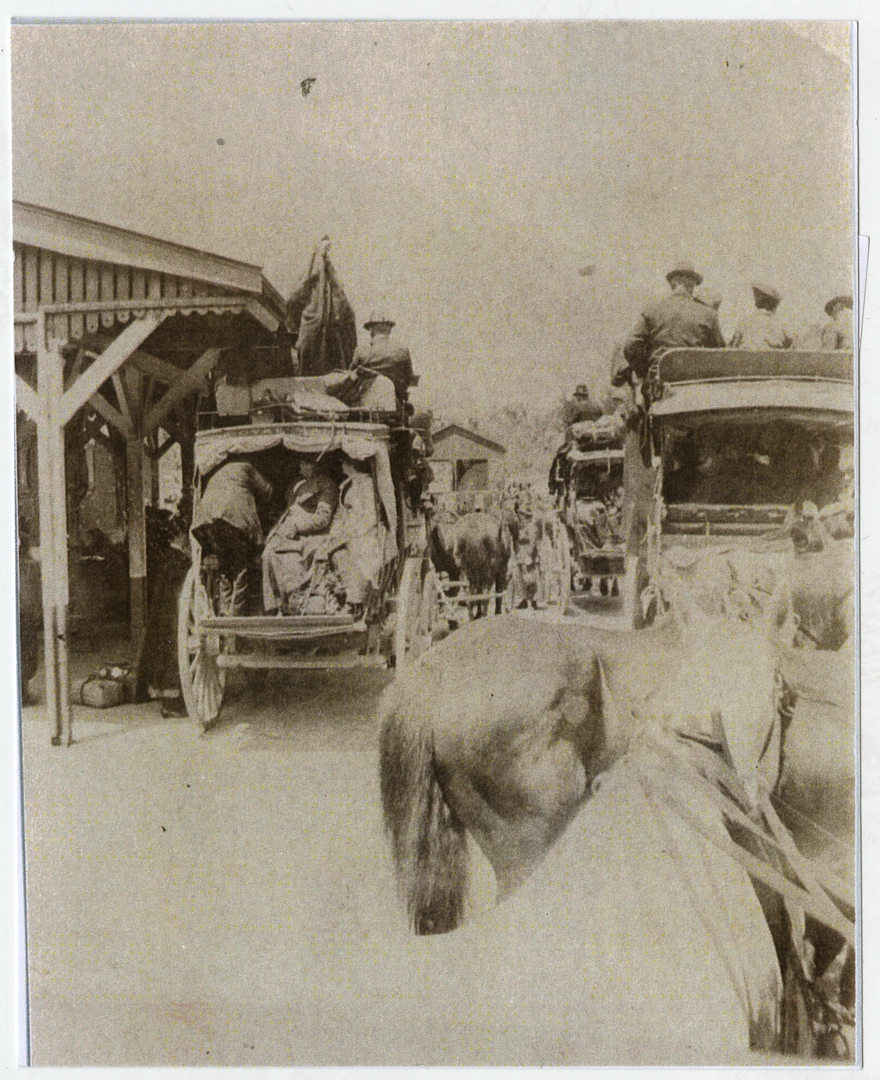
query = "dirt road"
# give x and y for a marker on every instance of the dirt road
(227, 899)
(183, 888)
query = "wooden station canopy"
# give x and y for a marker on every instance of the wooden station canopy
(127, 327)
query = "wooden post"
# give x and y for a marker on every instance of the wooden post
(136, 464)
(187, 469)
(154, 472)
(53, 534)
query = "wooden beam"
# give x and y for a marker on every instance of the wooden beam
(171, 427)
(148, 303)
(133, 384)
(189, 381)
(125, 407)
(153, 464)
(26, 399)
(187, 471)
(109, 362)
(76, 367)
(158, 450)
(137, 541)
(102, 406)
(257, 311)
(160, 369)
(53, 537)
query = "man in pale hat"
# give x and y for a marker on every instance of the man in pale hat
(384, 357)
(838, 332)
(579, 407)
(675, 322)
(763, 328)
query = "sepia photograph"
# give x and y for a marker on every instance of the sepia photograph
(436, 474)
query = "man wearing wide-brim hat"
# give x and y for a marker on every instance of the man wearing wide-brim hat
(763, 328)
(579, 407)
(838, 332)
(676, 321)
(384, 357)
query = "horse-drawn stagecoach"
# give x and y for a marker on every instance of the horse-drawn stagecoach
(587, 480)
(738, 460)
(743, 463)
(358, 593)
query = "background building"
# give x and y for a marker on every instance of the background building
(465, 462)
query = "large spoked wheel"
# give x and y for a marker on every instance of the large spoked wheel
(418, 611)
(202, 680)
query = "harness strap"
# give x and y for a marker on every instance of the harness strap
(815, 878)
(705, 915)
(818, 906)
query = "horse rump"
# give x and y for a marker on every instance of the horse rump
(481, 552)
(429, 847)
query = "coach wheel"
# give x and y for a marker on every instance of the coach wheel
(418, 611)
(202, 680)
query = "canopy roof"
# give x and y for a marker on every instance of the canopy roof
(86, 275)
(360, 442)
(790, 382)
(831, 402)
(710, 365)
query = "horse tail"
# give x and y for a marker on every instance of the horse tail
(428, 845)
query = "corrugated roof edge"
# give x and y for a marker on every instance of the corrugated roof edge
(67, 234)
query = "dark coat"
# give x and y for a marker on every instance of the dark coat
(388, 358)
(234, 494)
(675, 322)
(575, 410)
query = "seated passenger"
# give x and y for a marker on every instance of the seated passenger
(728, 473)
(226, 521)
(763, 328)
(683, 474)
(677, 321)
(579, 407)
(385, 357)
(711, 298)
(358, 539)
(295, 547)
(838, 331)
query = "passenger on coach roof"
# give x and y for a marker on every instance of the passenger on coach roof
(762, 328)
(676, 321)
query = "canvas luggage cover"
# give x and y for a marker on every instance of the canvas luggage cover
(607, 431)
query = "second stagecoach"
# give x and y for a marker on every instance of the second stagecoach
(326, 564)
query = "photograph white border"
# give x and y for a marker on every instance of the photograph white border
(868, 17)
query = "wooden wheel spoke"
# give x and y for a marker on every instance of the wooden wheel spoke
(202, 681)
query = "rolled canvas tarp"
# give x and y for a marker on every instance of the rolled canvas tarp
(322, 318)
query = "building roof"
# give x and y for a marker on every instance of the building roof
(82, 238)
(472, 436)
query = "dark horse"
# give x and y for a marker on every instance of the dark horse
(474, 548)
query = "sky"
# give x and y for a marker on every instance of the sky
(511, 193)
